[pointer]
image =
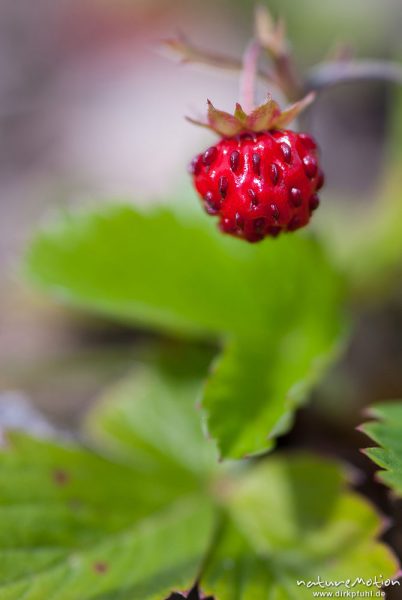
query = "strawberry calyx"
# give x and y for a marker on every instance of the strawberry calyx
(266, 117)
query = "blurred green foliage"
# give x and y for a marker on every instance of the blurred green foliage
(143, 508)
(276, 307)
(364, 238)
(142, 505)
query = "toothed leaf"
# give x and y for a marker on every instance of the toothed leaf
(291, 520)
(128, 516)
(178, 274)
(134, 514)
(386, 431)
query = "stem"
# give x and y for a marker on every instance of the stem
(191, 54)
(271, 34)
(249, 75)
(329, 74)
(286, 72)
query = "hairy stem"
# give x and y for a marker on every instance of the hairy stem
(249, 75)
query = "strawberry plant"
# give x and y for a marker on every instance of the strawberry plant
(179, 485)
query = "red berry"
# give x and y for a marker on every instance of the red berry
(260, 184)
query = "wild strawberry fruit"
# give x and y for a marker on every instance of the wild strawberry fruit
(260, 179)
(193, 594)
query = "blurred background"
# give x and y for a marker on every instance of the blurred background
(90, 110)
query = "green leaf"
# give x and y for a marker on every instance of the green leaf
(386, 431)
(255, 385)
(163, 271)
(149, 269)
(159, 433)
(276, 304)
(292, 520)
(134, 517)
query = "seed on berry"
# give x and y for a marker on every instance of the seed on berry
(259, 225)
(194, 167)
(286, 152)
(239, 221)
(275, 212)
(253, 197)
(274, 173)
(223, 186)
(274, 230)
(294, 223)
(256, 163)
(212, 206)
(295, 197)
(310, 166)
(209, 156)
(234, 161)
(314, 202)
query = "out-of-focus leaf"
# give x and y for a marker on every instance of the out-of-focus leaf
(278, 303)
(292, 520)
(386, 431)
(158, 432)
(132, 519)
(160, 270)
(371, 251)
(147, 268)
(135, 517)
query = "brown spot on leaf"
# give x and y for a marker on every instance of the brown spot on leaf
(100, 567)
(60, 477)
